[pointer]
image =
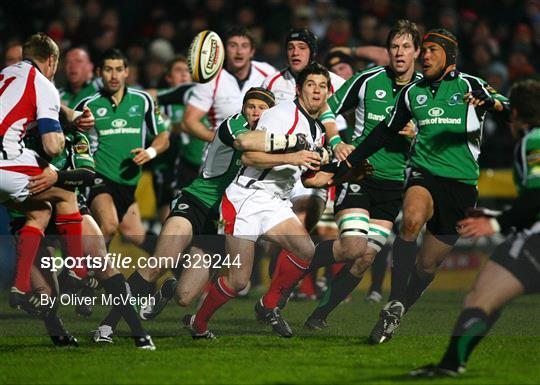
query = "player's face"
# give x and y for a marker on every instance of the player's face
(433, 60)
(253, 110)
(343, 69)
(314, 93)
(78, 66)
(13, 55)
(239, 52)
(114, 75)
(402, 53)
(179, 74)
(297, 55)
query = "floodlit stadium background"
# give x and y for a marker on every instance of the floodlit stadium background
(497, 43)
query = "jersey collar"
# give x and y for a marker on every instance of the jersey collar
(32, 63)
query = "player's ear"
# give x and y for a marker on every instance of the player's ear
(127, 72)
(416, 53)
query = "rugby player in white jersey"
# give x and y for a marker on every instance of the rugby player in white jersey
(31, 102)
(257, 204)
(222, 97)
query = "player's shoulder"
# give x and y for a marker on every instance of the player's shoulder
(237, 119)
(139, 93)
(90, 100)
(263, 68)
(274, 76)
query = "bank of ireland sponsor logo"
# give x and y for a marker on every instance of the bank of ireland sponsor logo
(389, 109)
(435, 112)
(119, 123)
(421, 99)
(101, 111)
(380, 94)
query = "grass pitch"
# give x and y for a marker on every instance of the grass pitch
(247, 352)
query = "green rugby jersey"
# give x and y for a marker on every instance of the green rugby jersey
(449, 129)
(71, 100)
(527, 163)
(222, 163)
(119, 129)
(372, 94)
(190, 147)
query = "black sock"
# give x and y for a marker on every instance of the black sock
(416, 287)
(403, 259)
(340, 287)
(149, 243)
(54, 325)
(324, 255)
(116, 287)
(138, 287)
(378, 269)
(471, 326)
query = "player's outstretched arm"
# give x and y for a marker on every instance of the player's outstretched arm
(270, 142)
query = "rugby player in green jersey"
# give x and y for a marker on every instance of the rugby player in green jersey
(80, 77)
(123, 116)
(185, 152)
(449, 107)
(366, 211)
(514, 268)
(195, 211)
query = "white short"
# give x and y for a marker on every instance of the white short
(300, 191)
(14, 175)
(248, 213)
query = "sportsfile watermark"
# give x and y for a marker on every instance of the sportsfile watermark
(119, 261)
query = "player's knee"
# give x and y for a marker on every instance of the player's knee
(109, 228)
(306, 251)
(238, 283)
(411, 226)
(353, 248)
(426, 268)
(184, 298)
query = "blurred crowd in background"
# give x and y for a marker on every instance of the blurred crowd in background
(499, 40)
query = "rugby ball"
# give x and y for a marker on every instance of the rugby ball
(205, 58)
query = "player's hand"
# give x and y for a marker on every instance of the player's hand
(308, 159)
(141, 156)
(409, 130)
(479, 98)
(43, 181)
(317, 180)
(342, 151)
(347, 173)
(85, 121)
(475, 227)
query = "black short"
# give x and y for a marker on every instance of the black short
(451, 199)
(381, 198)
(520, 255)
(123, 195)
(203, 219)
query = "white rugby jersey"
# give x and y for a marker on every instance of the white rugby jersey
(283, 84)
(222, 97)
(285, 118)
(27, 98)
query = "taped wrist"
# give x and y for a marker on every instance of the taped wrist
(285, 142)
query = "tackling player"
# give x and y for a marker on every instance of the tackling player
(257, 203)
(449, 107)
(514, 268)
